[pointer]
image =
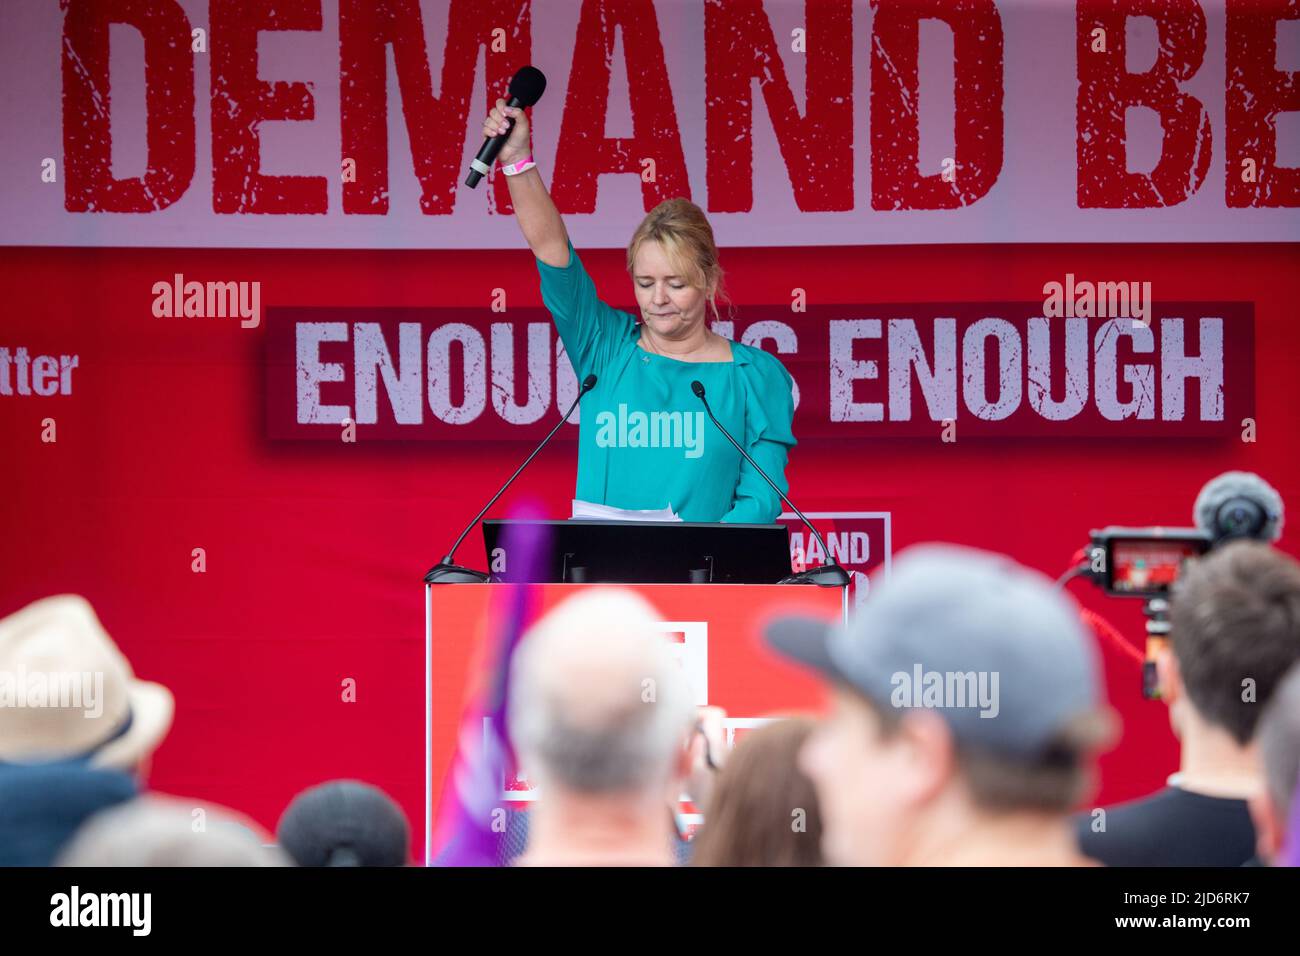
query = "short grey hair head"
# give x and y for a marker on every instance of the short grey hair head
(598, 703)
(165, 831)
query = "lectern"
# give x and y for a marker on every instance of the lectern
(713, 585)
(648, 552)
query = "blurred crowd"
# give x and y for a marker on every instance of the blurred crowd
(966, 714)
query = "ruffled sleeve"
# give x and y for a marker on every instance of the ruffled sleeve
(769, 436)
(588, 327)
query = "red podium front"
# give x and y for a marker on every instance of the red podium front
(716, 629)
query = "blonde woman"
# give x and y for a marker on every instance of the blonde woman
(645, 441)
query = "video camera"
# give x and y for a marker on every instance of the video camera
(1142, 562)
(1145, 562)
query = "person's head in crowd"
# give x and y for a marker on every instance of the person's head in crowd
(1274, 807)
(763, 811)
(42, 805)
(1235, 630)
(158, 831)
(344, 823)
(67, 693)
(602, 720)
(967, 710)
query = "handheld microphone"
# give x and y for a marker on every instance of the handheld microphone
(447, 571)
(830, 574)
(526, 88)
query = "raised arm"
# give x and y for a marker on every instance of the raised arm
(589, 328)
(535, 211)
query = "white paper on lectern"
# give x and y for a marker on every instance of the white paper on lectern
(591, 510)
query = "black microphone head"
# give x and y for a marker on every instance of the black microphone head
(528, 85)
(589, 383)
(697, 388)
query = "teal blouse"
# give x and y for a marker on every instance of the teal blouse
(644, 439)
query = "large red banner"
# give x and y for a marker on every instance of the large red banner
(314, 550)
(349, 123)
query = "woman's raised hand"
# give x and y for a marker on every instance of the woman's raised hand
(517, 146)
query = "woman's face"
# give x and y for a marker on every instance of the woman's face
(669, 306)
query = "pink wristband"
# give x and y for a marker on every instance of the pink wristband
(514, 169)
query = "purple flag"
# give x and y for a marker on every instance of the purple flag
(469, 829)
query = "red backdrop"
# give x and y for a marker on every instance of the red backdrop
(315, 550)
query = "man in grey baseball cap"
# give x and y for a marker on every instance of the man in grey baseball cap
(967, 711)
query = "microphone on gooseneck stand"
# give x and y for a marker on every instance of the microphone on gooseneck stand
(830, 574)
(526, 88)
(447, 571)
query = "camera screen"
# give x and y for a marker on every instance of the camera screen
(1148, 566)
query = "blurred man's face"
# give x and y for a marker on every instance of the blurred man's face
(863, 783)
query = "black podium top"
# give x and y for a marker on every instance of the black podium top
(651, 552)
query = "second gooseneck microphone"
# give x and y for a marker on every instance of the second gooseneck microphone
(830, 574)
